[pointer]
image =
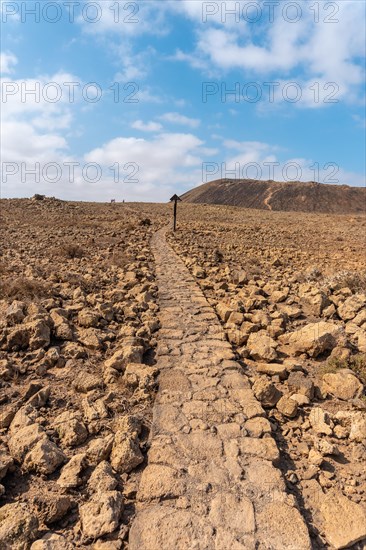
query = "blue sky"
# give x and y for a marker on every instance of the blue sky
(188, 91)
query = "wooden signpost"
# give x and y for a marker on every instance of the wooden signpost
(175, 198)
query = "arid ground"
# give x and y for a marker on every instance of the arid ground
(203, 389)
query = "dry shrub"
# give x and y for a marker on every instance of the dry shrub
(313, 274)
(3, 269)
(354, 280)
(253, 266)
(22, 288)
(357, 363)
(218, 256)
(76, 280)
(119, 259)
(71, 250)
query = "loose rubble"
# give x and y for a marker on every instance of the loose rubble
(78, 324)
(301, 342)
(79, 330)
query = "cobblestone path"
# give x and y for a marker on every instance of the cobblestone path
(211, 481)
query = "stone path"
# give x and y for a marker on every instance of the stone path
(211, 480)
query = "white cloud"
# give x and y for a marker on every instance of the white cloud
(159, 155)
(180, 103)
(360, 121)
(211, 13)
(133, 65)
(164, 161)
(23, 144)
(35, 130)
(146, 127)
(260, 160)
(191, 59)
(177, 118)
(307, 50)
(249, 156)
(32, 125)
(118, 26)
(322, 51)
(130, 72)
(146, 95)
(7, 62)
(124, 19)
(346, 177)
(46, 96)
(32, 130)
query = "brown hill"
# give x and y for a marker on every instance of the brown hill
(290, 196)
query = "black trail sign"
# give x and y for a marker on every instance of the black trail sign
(175, 198)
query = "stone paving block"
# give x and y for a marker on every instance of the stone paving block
(208, 484)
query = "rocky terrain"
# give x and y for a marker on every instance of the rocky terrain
(286, 196)
(290, 292)
(269, 327)
(78, 377)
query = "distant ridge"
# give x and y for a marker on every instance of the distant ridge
(290, 196)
